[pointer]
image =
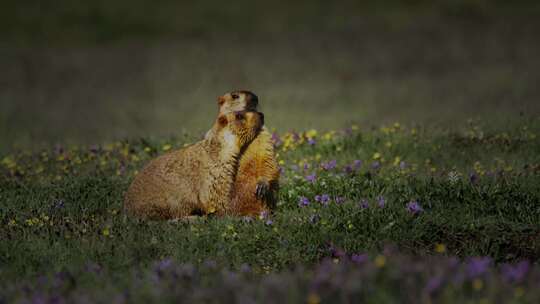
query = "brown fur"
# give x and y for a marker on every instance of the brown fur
(258, 168)
(198, 179)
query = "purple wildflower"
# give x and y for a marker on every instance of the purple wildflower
(381, 201)
(311, 178)
(276, 140)
(402, 165)
(323, 199)
(336, 252)
(59, 204)
(339, 199)
(210, 264)
(329, 165)
(359, 258)
(375, 165)
(414, 208)
(357, 164)
(245, 268)
(58, 149)
(303, 201)
(163, 265)
(92, 267)
(473, 178)
(94, 149)
(295, 136)
(477, 266)
(306, 166)
(433, 284)
(348, 169)
(364, 203)
(515, 273)
(269, 222)
(311, 142)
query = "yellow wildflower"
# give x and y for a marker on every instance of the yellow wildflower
(440, 248)
(311, 133)
(477, 284)
(329, 135)
(313, 298)
(380, 261)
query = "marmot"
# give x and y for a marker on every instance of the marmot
(257, 180)
(198, 179)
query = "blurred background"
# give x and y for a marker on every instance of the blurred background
(78, 71)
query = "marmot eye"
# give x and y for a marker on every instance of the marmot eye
(234, 96)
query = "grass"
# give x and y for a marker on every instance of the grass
(477, 188)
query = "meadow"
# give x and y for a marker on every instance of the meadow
(384, 215)
(407, 133)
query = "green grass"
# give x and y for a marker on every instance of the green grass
(57, 207)
(479, 189)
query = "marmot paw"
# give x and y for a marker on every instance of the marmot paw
(262, 191)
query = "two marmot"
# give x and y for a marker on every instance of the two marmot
(232, 171)
(198, 179)
(257, 181)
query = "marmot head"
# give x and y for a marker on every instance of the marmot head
(239, 128)
(237, 101)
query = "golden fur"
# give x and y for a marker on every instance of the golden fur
(198, 179)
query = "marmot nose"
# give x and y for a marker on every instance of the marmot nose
(221, 99)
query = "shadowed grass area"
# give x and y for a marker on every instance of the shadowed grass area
(316, 65)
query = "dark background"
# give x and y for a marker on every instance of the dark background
(94, 71)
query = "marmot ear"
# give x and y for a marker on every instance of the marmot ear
(222, 121)
(220, 100)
